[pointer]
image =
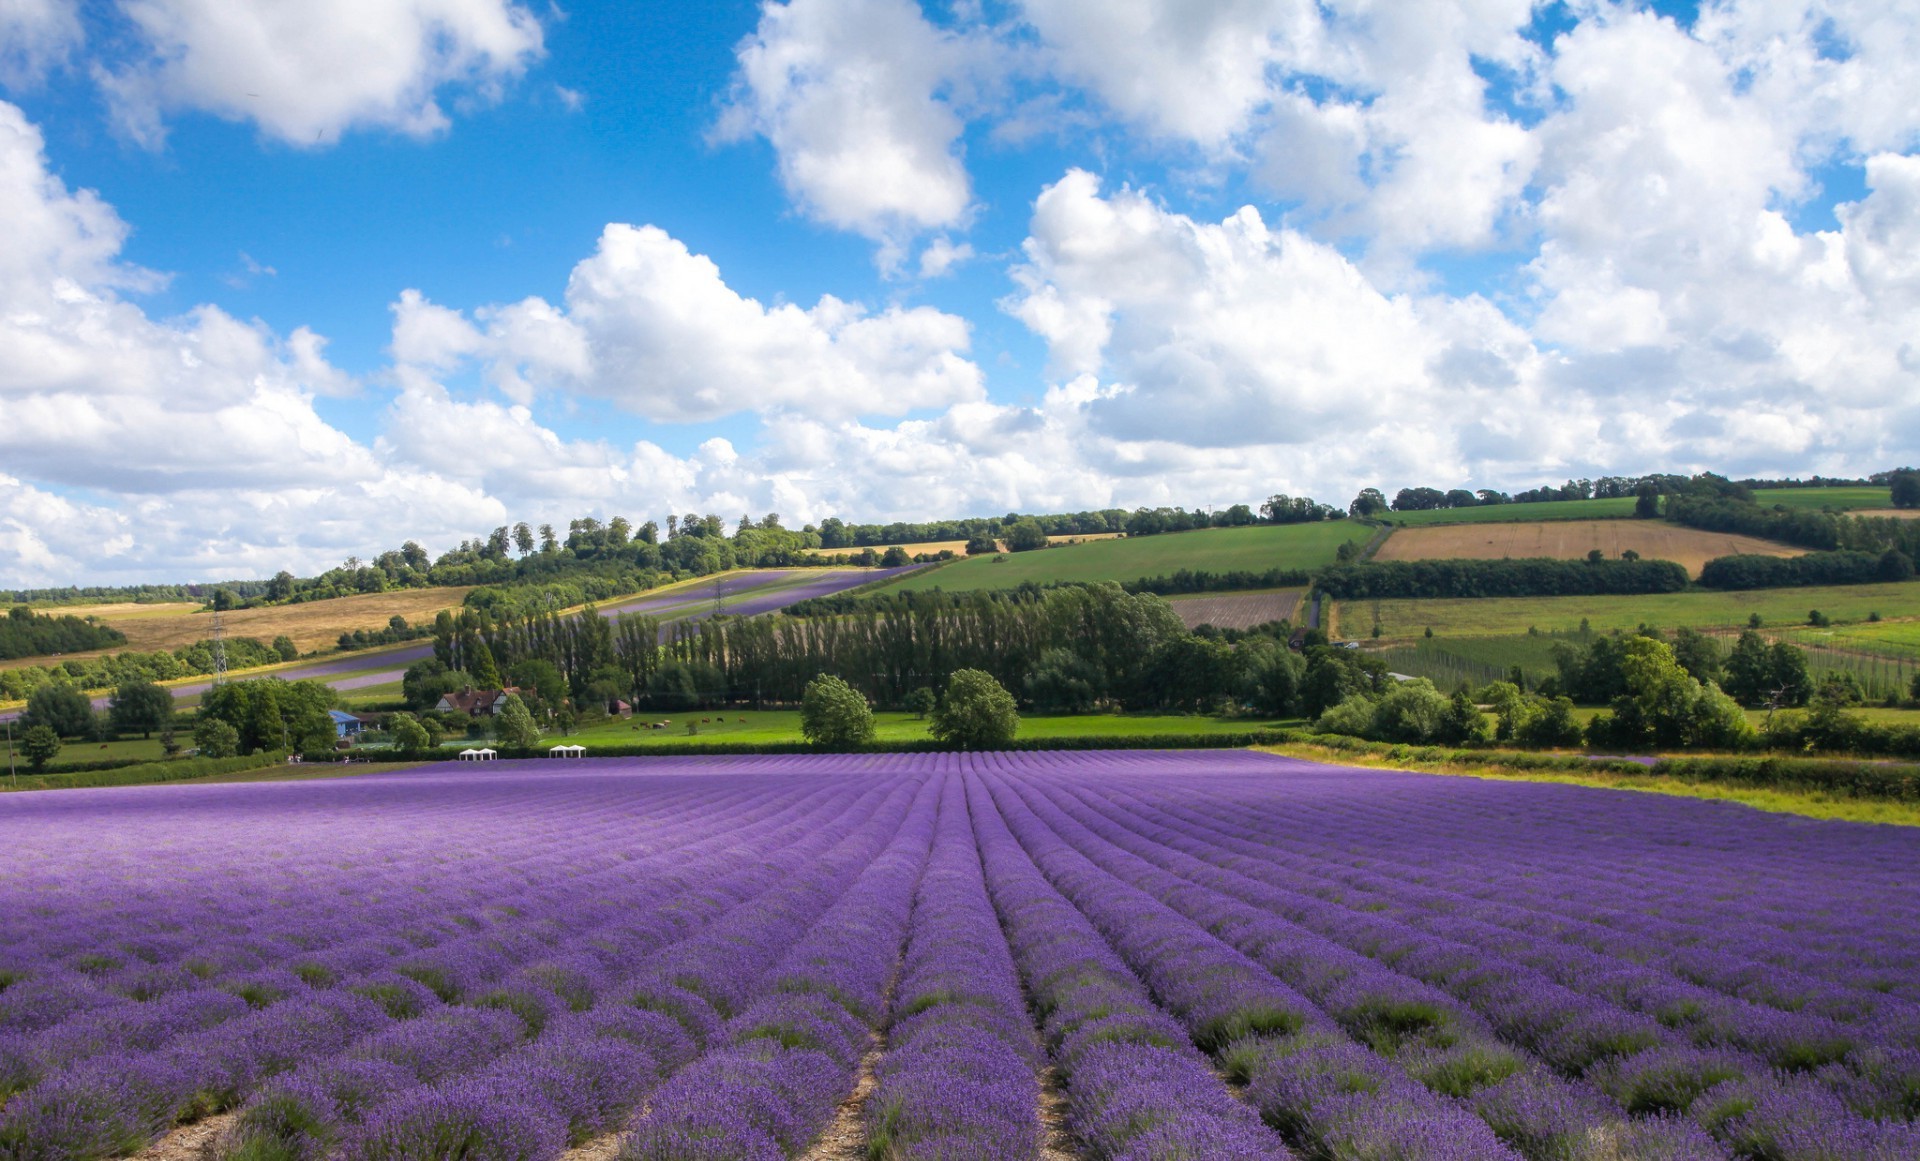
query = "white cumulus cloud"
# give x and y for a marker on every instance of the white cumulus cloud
(305, 73)
(655, 328)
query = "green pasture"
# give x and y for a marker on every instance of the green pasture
(1619, 506)
(1817, 498)
(1256, 548)
(784, 726)
(1500, 616)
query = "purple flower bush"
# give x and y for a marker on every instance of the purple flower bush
(1191, 955)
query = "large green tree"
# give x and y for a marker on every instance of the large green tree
(513, 723)
(269, 713)
(977, 713)
(1905, 487)
(834, 715)
(61, 708)
(140, 707)
(409, 736)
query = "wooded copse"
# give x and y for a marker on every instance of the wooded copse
(1066, 648)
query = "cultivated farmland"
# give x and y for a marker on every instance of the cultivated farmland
(1237, 610)
(1573, 539)
(1611, 507)
(1257, 548)
(1838, 498)
(702, 958)
(312, 625)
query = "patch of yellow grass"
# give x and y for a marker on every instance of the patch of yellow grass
(1807, 804)
(313, 625)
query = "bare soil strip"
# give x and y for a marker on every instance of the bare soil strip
(846, 1138)
(188, 1143)
(1056, 1144)
(1236, 610)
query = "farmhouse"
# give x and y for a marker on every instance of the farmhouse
(475, 703)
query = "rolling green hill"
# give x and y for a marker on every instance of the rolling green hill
(1256, 548)
(1508, 513)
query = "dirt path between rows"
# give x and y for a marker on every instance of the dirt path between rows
(846, 1138)
(189, 1143)
(1056, 1144)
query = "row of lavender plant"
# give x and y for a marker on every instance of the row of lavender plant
(1876, 1079)
(1328, 1095)
(1136, 1087)
(1437, 1040)
(52, 1015)
(581, 1072)
(1641, 1062)
(1670, 928)
(779, 1068)
(217, 1066)
(212, 1062)
(957, 1081)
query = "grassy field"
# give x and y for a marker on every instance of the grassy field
(784, 726)
(1816, 498)
(1256, 548)
(1573, 539)
(1503, 513)
(313, 625)
(1498, 616)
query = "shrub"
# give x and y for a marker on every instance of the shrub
(39, 745)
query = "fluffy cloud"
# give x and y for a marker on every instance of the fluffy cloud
(655, 328)
(305, 72)
(86, 377)
(34, 36)
(1222, 335)
(852, 94)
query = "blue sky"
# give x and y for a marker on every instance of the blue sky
(297, 282)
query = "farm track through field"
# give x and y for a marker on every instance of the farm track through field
(819, 957)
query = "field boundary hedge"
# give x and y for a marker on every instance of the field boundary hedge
(176, 770)
(1517, 577)
(1854, 778)
(1224, 741)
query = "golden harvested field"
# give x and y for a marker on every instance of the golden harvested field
(1236, 610)
(1895, 513)
(314, 625)
(1572, 539)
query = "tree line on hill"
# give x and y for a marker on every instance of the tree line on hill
(1069, 648)
(1658, 694)
(618, 555)
(24, 633)
(115, 669)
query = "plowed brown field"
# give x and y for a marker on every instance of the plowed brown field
(1572, 539)
(1236, 610)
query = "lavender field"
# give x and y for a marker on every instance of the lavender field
(951, 957)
